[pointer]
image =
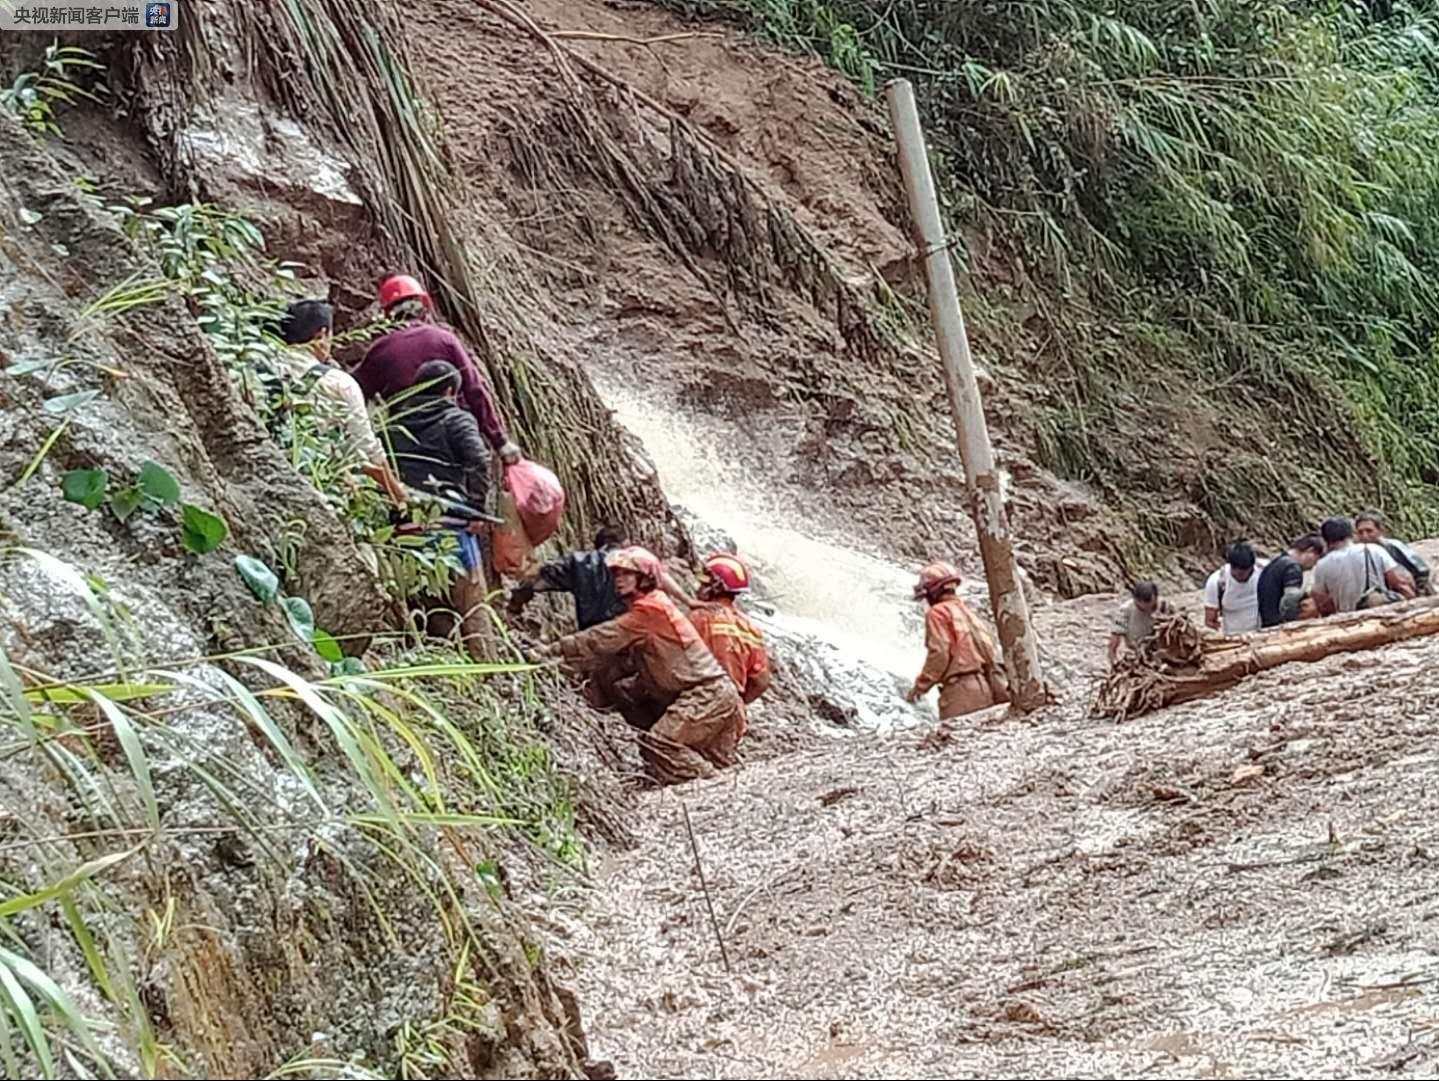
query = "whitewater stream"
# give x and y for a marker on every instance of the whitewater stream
(843, 617)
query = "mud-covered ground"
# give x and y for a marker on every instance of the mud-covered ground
(1239, 887)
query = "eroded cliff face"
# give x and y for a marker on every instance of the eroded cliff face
(246, 913)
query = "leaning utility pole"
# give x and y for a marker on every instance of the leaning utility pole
(1006, 595)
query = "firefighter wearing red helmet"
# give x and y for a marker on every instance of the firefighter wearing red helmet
(390, 366)
(701, 715)
(960, 658)
(733, 638)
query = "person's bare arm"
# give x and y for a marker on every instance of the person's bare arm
(385, 477)
(758, 683)
(1211, 618)
(1323, 602)
(1401, 582)
(1115, 641)
(678, 595)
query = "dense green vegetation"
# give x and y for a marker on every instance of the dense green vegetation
(1240, 191)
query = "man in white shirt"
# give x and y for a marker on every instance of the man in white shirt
(1231, 596)
(307, 328)
(1353, 576)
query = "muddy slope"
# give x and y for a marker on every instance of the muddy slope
(1242, 887)
(757, 304)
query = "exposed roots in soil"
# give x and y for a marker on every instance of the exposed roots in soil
(690, 195)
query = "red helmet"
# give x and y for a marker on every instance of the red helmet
(935, 577)
(398, 287)
(727, 572)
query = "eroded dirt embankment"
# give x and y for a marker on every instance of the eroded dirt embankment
(1057, 897)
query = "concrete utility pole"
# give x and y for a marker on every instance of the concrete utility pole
(1006, 596)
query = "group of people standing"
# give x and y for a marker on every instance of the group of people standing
(1351, 564)
(679, 669)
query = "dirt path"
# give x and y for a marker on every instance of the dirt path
(1062, 898)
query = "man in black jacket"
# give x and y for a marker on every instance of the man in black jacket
(586, 576)
(437, 445)
(438, 450)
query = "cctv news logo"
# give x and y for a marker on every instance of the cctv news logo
(49, 17)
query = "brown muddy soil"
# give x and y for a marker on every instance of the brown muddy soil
(1239, 887)
(864, 447)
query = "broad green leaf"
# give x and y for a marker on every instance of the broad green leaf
(34, 364)
(327, 647)
(301, 617)
(126, 502)
(67, 403)
(159, 484)
(49, 893)
(260, 578)
(134, 754)
(85, 486)
(201, 531)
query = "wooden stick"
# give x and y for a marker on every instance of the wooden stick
(709, 903)
(595, 35)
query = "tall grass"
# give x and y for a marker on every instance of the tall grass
(1256, 180)
(409, 761)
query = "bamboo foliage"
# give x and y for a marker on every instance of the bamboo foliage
(1254, 181)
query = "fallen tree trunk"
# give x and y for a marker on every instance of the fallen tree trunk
(1184, 664)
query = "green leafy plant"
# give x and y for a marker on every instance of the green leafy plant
(34, 96)
(155, 489)
(86, 487)
(202, 532)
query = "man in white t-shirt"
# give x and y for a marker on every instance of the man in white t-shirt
(1353, 576)
(1231, 596)
(307, 328)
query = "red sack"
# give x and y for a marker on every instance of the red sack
(538, 497)
(512, 551)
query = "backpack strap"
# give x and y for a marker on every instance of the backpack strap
(314, 374)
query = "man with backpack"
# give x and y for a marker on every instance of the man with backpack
(1281, 586)
(307, 328)
(1231, 595)
(1369, 528)
(439, 451)
(1356, 576)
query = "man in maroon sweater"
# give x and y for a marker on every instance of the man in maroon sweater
(389, 367)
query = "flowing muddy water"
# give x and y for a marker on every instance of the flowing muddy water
(1057, 896)
(842, 617)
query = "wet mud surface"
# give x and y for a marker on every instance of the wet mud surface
(1239, 887)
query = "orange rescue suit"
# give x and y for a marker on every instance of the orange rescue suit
(737, 644)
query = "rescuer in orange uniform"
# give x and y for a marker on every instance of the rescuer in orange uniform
(961, 656)
(701, 714)
(735, 641)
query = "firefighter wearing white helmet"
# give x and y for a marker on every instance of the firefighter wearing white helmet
(960, 659)
(733, 638)
(701, 715)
